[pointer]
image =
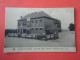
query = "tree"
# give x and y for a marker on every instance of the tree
(71, 27)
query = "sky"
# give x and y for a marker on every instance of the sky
(12, 15)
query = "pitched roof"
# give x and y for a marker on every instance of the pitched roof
(36, 14)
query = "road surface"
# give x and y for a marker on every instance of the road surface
(66, 39)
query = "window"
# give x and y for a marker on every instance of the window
(32, 28)
(32, 21)
(28, 32)
(36, 21)
(36, 28)
(40, 20)
(24, 23)
(24, 30)
(18, 23)
(28, 26)
(41, 28)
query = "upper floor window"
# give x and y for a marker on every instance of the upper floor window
(32, 21)
(28, 25)
(36, 28)
(18, 23)
(41, 28)
(24, 23)
(36, 21)
(40, 20)
(32, 28)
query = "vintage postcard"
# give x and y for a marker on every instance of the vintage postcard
(39, 30)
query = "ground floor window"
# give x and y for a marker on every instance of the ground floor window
(24, 30)
(32, 29)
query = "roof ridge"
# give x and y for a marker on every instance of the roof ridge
(36, 14)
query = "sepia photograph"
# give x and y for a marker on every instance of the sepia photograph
(39, 30)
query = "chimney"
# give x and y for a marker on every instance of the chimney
(21, 17)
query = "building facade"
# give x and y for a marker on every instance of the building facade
(38, 23)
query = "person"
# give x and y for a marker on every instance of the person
(54, 35)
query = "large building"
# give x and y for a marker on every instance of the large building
(38, 23)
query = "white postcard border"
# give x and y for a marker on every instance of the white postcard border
(40, 49)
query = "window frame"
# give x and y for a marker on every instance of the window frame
(24, 24)
(32, 21)
(19, 23)
(36, 29)
(32, 29)
(36, 21)
(41, 20)
(24, 30)
(41, 28)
